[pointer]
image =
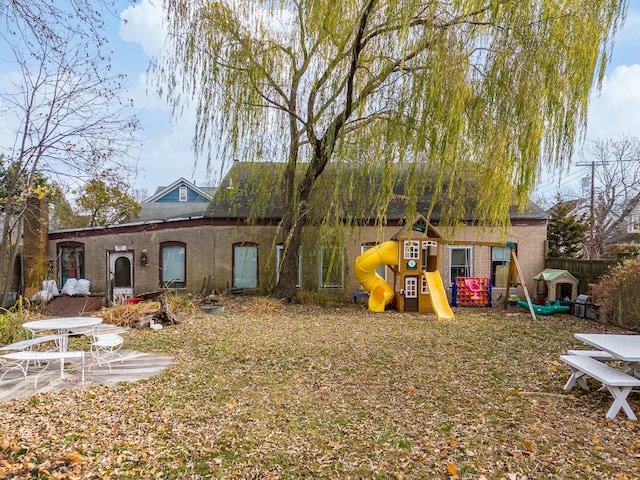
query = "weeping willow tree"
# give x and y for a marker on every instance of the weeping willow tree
(485, 90)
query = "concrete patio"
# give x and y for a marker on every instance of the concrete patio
(135, 366)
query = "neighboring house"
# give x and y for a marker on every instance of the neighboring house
(183, 242)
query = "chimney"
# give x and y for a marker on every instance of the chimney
(34, 242)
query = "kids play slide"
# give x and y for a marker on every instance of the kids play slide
(438, 296)
(364, 269)
(381, 293)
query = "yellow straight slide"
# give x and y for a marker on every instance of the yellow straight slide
(364, 270)
(438, 296)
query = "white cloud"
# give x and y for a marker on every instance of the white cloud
(616, 109)
(166, 154)
(143, 24)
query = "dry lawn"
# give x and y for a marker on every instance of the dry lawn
(264, 391)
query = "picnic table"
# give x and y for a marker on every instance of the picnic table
(624, 348)
(621, 347)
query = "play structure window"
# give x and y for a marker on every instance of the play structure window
(380, 270)
(71, 261)
(173, 264)
(500, 266)
(245, 265)
(424, 285)
(279, 254)
(331, 270)
(411, 249)
(460, 262)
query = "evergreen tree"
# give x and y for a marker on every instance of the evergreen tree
(566, 233)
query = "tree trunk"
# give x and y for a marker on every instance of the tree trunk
(287, 280)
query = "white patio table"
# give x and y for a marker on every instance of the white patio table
(63, 326)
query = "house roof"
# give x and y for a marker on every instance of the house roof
(170, 211)
(235, 200)
(167, 194)
(632, 237)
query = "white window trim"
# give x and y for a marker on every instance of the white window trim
(279, 250)
(411, 249)
(449, 257)
(183, 194)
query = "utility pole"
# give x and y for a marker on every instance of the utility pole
(592, 195)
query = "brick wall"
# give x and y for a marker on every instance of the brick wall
(209, 251)
(34, 240)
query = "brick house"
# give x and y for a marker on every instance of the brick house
(184, 241)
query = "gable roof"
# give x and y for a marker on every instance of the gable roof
(244, 185)
(420, 225)
(171, 193)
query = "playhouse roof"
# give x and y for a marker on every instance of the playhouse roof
(420, 225)
(555, 275)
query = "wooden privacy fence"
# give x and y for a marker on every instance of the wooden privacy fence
(587, 271)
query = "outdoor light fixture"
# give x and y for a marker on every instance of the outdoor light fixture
(144, 259)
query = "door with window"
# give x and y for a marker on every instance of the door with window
(411, 294)
(120, 276)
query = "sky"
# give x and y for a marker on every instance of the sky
(166, 153)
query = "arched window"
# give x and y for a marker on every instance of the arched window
(245, 265)
(70, 261)
(173, 265)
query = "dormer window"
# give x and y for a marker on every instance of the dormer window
(182, 194)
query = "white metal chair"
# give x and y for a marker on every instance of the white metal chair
(104, 349)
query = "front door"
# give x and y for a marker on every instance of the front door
(410, 294)
(120, 276)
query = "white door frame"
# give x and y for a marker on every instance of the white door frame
(118, 294)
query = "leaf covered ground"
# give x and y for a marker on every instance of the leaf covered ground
(268, 391)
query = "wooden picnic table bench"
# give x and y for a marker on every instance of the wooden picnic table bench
(617, 382)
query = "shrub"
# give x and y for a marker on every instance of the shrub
(11, 326)
(307, 297)
(617, 292)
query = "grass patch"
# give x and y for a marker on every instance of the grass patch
(265, 390)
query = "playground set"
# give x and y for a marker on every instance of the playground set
(412, 255)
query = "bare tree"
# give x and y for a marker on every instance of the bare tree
(615, 188)
(68, 117)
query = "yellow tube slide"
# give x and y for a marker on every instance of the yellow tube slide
(364, 269)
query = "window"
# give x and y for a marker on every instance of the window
(382, 269)
(182, 194)
(500, 257)
(245, 265)
(70, 261)
(173, 265)
(411, 249)
(331, 269)
(460, 262)
(279, 253)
